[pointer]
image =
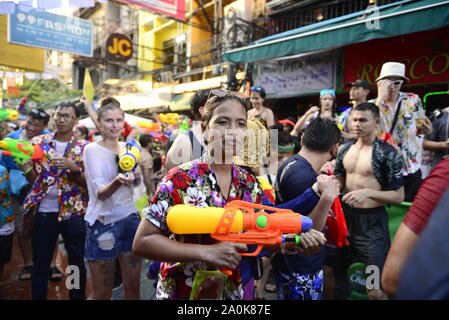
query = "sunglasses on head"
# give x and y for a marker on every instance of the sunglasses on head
(39, 114)
(258, 89)
(223, 93)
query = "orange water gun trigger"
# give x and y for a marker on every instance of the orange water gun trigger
(268, 237)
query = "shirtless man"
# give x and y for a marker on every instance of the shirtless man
(370, 172)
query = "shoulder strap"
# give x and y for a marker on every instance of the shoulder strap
(190, 135)
(196, 154)
(396, 116)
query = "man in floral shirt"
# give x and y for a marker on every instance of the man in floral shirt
(411, 125)
(60, 196)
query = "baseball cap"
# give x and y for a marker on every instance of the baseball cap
(288, 120)
(359, 83)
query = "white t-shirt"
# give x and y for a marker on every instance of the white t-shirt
(101, 168)
(50, 202)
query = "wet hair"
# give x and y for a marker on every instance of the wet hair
(215, 101)
(145, 139)
(366, 106)
(108, 104)
(197, 101)
(72, 105)
(321, 135)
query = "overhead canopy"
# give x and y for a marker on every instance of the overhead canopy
(394, 20)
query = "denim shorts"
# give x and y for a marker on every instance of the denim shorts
(108, 241)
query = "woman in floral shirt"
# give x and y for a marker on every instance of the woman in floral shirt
(213, 180)
(210, 181)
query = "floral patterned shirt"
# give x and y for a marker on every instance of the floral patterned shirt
(405, 137)
(72, 198)
(195, 183)
(385, 161)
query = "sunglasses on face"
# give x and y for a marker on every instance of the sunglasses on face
(66, 117)
(396, 83)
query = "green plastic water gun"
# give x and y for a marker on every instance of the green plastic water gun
(8, 114)
(184, 126)
(20, 150)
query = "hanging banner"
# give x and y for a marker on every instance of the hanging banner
(295, 77)
(51, 31)
(425, 55)
(172, 8)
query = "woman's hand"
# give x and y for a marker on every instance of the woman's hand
(125, 179)
(311, 112)
(224, 255)
(86, 102)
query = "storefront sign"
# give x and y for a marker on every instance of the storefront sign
(294, 77)
(119, 47)
(51, 31)
(425, 54)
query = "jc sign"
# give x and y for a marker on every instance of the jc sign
(119, 47)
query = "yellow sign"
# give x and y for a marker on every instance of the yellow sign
(15, 56)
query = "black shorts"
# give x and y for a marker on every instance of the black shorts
(5, 249)
(369, 237)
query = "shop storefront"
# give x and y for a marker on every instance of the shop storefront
(364, 42)
(425, 54)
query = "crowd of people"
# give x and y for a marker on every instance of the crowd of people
(365, 158)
